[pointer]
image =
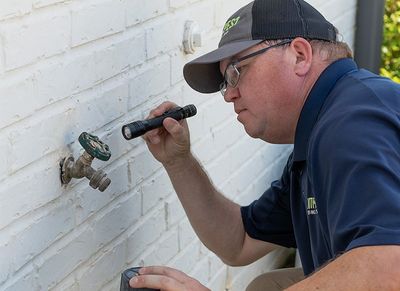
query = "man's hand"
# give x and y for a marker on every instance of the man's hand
(171, 142)
(165, 279)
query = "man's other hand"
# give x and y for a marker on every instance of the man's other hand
(165, 279)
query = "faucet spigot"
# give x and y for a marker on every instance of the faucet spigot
(94, 148)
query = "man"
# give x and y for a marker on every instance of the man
(338, 201)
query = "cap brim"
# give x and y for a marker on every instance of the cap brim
(203, 74)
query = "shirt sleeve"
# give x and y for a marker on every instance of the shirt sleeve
(355, 166)
(269, 218)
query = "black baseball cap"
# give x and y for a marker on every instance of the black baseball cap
(257, 21)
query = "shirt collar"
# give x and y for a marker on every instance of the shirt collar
(314, 102)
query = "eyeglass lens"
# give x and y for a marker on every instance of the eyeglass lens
(232, 75)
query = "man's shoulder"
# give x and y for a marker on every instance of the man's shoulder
(363, 87)
(363, 107)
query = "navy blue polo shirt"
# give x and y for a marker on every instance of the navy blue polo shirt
(340, 188)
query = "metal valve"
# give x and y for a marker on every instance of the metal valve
(94, 148)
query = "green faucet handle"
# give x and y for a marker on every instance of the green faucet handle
(94, 146)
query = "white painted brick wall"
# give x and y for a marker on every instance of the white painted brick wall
(68, 66)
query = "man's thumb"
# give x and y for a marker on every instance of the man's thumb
(173, 127)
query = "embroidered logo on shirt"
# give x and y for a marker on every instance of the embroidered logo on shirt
(311, 206)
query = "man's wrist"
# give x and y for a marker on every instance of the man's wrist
(181, 163)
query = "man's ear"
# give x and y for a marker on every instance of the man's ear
(304, 55)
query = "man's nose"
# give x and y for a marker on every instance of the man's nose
(231, 94)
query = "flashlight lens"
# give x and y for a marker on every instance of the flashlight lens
(127, 132)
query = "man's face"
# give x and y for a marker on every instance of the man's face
(266, 98)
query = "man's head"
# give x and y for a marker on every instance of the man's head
(265, 64)
(257, 21)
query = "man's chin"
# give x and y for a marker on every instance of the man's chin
(250, 132)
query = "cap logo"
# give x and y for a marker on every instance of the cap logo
(229, 24)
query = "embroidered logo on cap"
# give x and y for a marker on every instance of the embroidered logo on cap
(229, 24)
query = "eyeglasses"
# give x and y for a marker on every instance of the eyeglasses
(232, 71)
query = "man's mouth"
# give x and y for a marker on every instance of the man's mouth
(239, 110)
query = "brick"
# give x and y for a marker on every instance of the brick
(244, 151)
(140, 10)
(218, 141)
(44, 3)
(197, 14)
(186, 234)
(181, 3)
(177, 63)
(100, 108)
(120, 146)
(155, 190)
(22, 91)
(68, 284)
(218, 112)
(163, 251)
(5, 162)
(25, 281)
(89, 201)
(119, 57)
(43, 181)
(9, 9)
(121, 216)
(96, 21)
(36, 237)
(215, 265)
(101, 270)
(218, 282)
(142, 165)
(113, 285)
(58, 80)
(186, 259)
(146, 234)
(151, 81)
(27, 41)
(65, 258)
(178, 3)
(200, 272)
(160, 40)
(48, 135)
(54, 267)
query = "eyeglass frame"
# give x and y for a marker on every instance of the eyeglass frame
(224, 85)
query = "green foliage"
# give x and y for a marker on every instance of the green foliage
(391, 43)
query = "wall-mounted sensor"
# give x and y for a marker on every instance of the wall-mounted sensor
(192, 37)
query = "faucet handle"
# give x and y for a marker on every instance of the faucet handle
(94, 146)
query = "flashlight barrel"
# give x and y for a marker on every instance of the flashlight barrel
(138, 128)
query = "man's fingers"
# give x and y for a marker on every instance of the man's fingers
(174, 128)
(159, 110)
(152, 136)
(156, 282)
(164, 271)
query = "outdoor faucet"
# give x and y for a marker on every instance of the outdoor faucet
(94, 148)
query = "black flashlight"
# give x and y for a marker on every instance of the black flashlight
(138, 128)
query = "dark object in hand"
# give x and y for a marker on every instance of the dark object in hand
(127, 275)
